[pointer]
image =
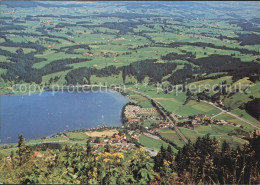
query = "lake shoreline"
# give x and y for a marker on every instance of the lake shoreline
(97, 129)
(64, 88)
(95, 126)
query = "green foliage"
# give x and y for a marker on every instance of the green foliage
(203, 162)
(89, 148)
(141, 167)
(24, 152)
(252, 108)
(164, 164)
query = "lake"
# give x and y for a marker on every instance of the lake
(37, 116)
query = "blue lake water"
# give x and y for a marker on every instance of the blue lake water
(42, 115)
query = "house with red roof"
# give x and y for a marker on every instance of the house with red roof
(114, 140)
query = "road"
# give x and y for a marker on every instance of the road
(159, 106)
(152, 136)
(151, 151)
(218, 114)
(231, 114)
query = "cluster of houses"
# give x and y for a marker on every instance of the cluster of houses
(160, 126)
(118, 139)
(197, 120)
(118, 38)
(51, 45)
(220, 104)
(201, 118)
(223, 122)
(115, 39)
(89, 54)
(45, 21)
(103, 53)
(131, 111)
(204, 119)
(117, 142)
(196, 36)
(191, 123)
(10, 12)
(135, 113)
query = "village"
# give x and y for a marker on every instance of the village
(135, 115)
(118, 142)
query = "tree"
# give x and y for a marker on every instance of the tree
(124, 73)
(12, 159)
(107, 148)
(198, 159)
(20, 51)
(89, 148)
(24, 152)
(163, 163)
(97, 140)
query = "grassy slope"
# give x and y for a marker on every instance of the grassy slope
(152, 143)
(172, 136)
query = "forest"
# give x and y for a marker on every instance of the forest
(201, 162)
